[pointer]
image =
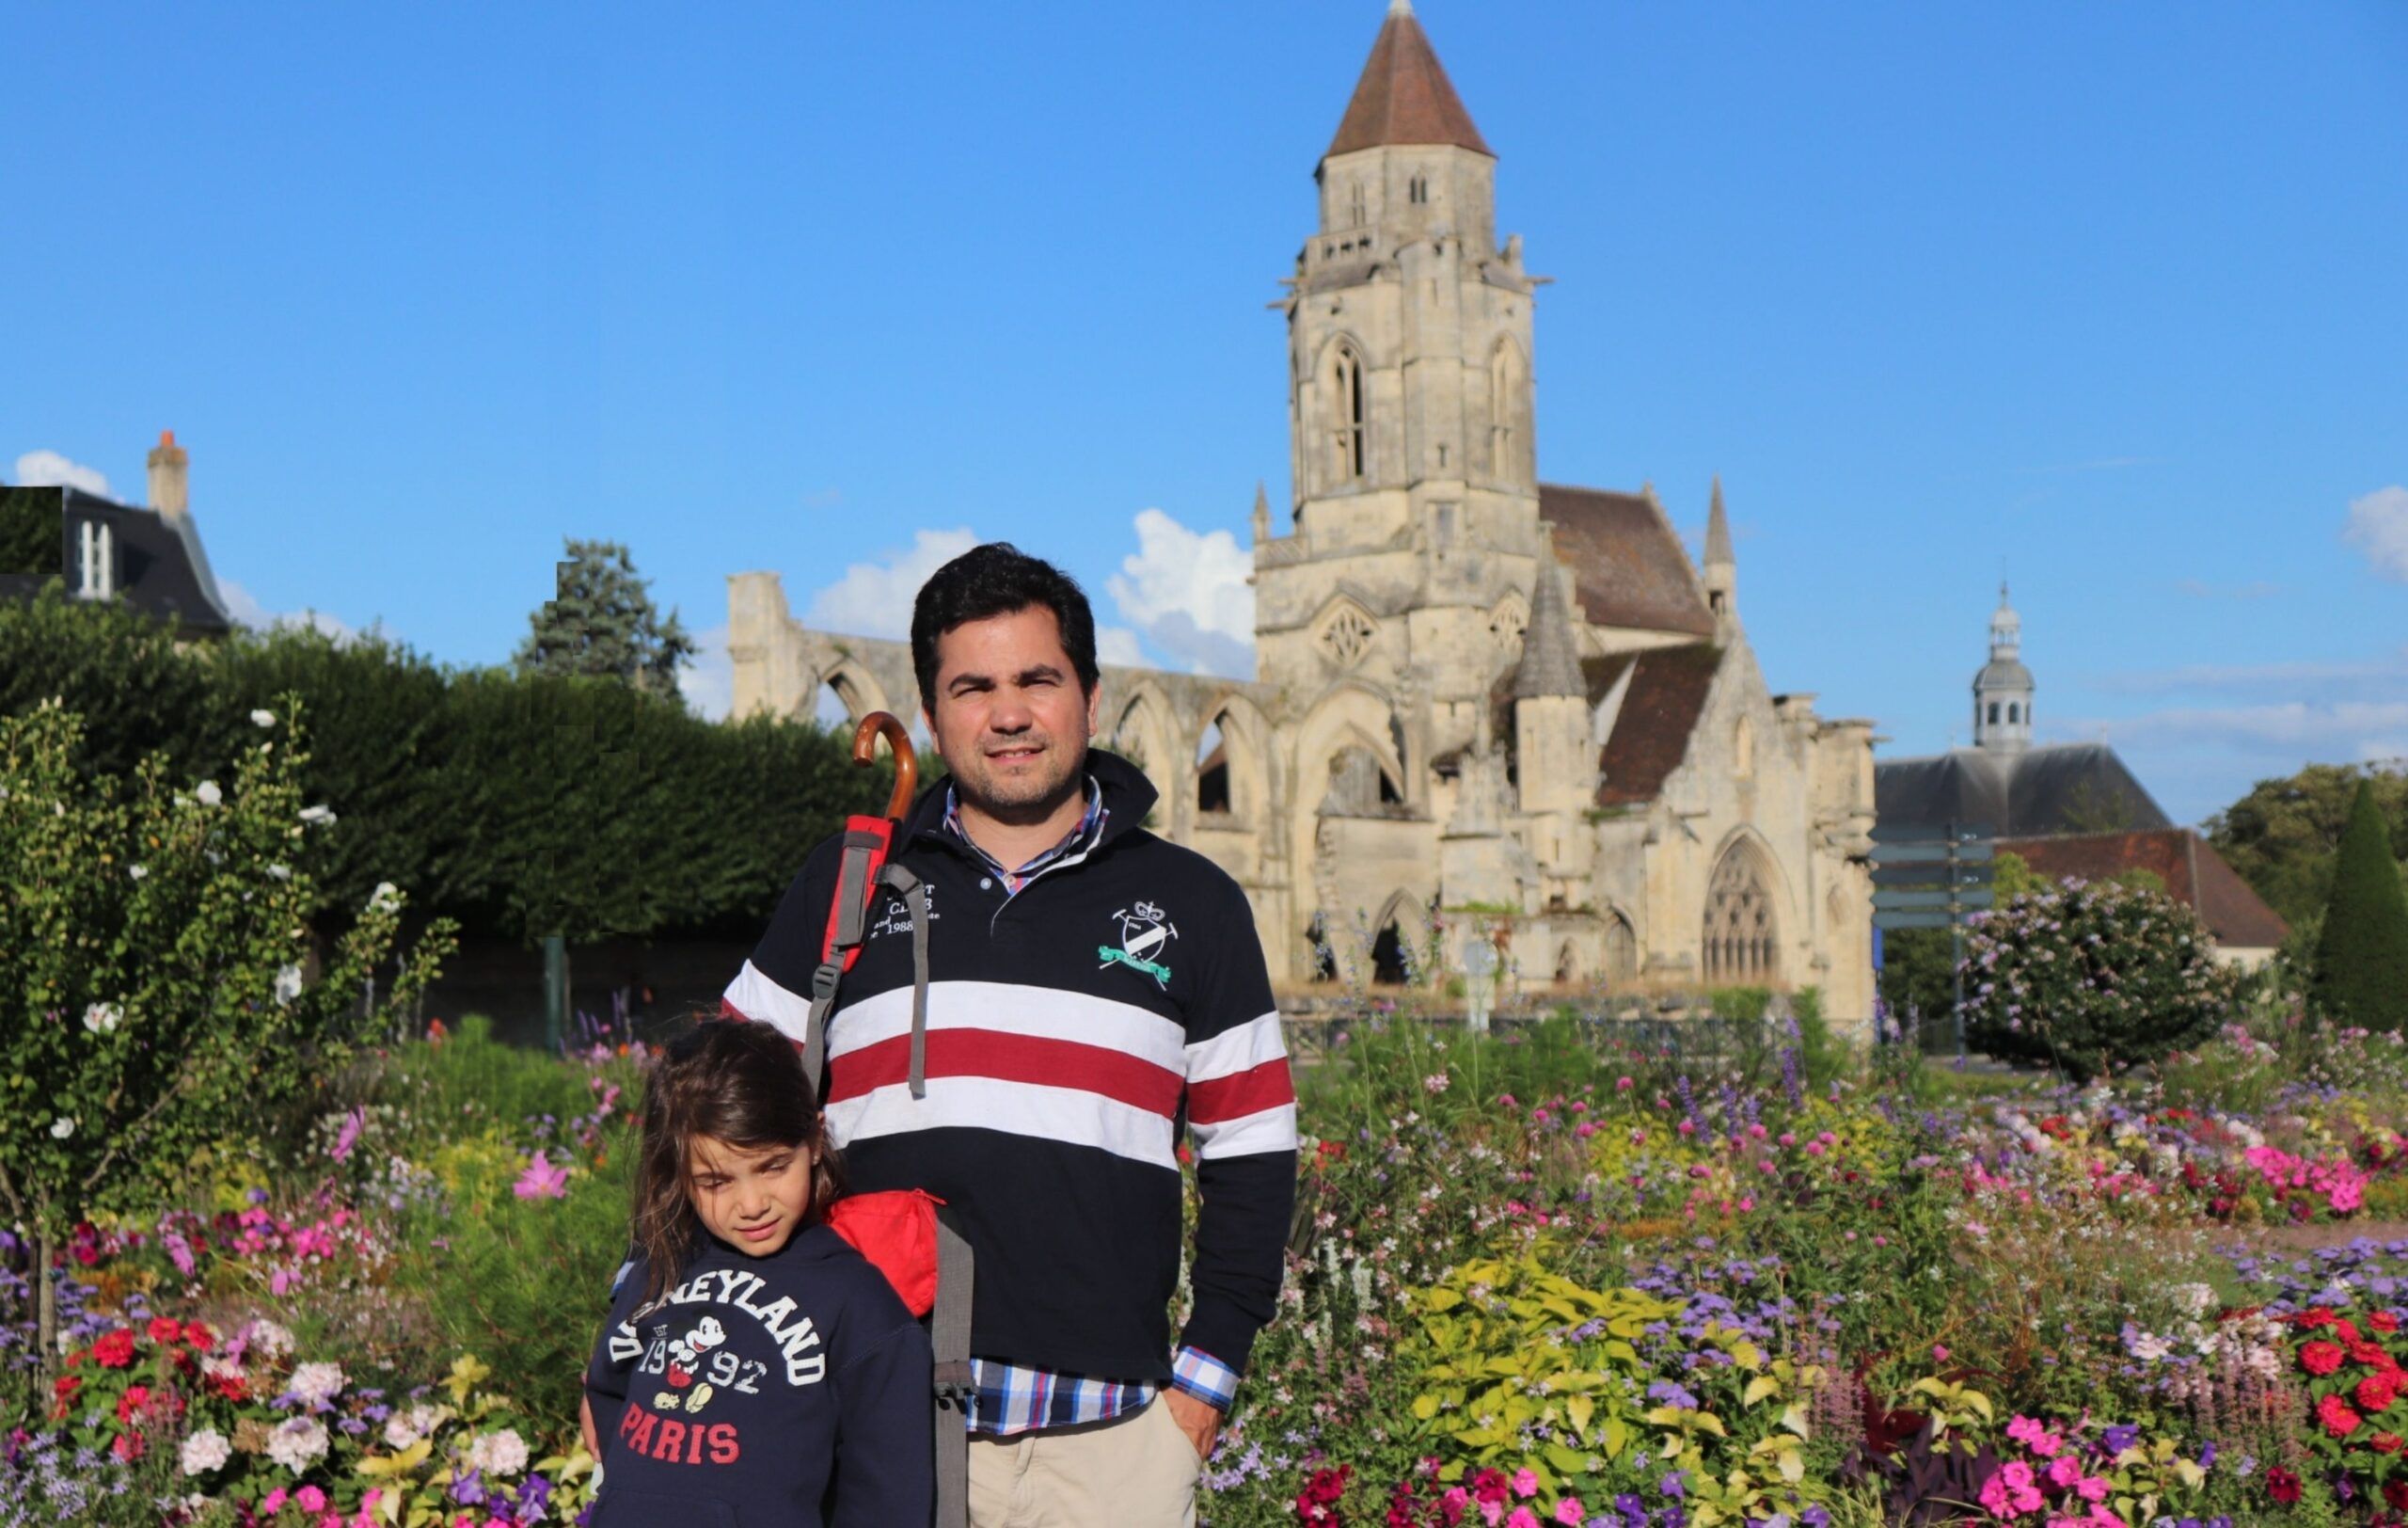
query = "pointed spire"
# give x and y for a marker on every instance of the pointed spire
(1261, 512)
(1717, 527)
(1550, 652)
(1405, 95)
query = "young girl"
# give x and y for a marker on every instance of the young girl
(756, 1372)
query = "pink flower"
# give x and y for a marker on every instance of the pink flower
(2064, 1471)
(1569, 1511)
(2033, 1435)
(348, 1136)
(309, 1499)
(542, 1179)
(1522, 1518)
(1622, 1085)
(1939, 1354)
(1526, 1482)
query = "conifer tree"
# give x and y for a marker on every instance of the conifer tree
(2362, 959)
(602, 624)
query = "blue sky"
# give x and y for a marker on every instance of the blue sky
(2112, 299)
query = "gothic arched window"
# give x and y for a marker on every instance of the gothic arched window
(1742, 943)
(1509, 386)
(1346, 398)
(1418, 189)
(1622, 949)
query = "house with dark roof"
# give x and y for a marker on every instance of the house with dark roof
(2070, 810)
(151, 557)
(1486, 707)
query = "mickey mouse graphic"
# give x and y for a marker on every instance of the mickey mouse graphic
(687, 1353)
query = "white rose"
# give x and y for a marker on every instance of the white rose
(385, 898)
(288, 985)
(262, 718)
(103, 1018)
(315, 1382)
(208, 794)
(317, 815)
(206, 1449)
(137, 871)
(61, 1128)
(298, 1443)
(502, 1454)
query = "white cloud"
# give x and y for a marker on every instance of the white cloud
(49, 470)
(1188, 593)
(1118, 645)
(708, 681)
(874, 599)
(246, 608)
(2379, 527)
(2311, 729)
(2312, 678)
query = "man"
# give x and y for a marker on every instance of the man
(1090, 987)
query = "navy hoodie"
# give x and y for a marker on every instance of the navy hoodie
(791, 1391)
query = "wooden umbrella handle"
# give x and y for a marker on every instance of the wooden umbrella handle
(907, 765)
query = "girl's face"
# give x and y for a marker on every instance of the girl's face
(753, 1201)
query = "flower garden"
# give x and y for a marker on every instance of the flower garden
(1536, 1279)
(276, 1250)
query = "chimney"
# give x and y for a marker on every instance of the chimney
(169, 492)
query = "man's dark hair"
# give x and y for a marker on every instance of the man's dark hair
(993, 580)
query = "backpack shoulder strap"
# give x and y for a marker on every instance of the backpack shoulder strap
(867, 843)
(949, 1337)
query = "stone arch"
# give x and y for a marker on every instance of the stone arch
(1567, 963)
(856, 688)
(1351, 714)
(1236, 784)
(1621, 964)
(1740, 939)
(1143, 733)
(1509, 413)
(1397, 937)
(1342, 378)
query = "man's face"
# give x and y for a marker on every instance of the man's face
(1009, 717)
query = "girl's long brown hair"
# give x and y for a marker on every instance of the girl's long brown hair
(738, 1081)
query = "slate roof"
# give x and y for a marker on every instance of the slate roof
(2193, 873)
(159, 569)
(1660, 712)
(1628, 565)
(1404, 96)
(2062, 787)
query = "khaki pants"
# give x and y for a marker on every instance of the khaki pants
(1133, 1472)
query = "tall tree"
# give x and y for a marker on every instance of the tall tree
(2282, 837)
(602, 624)
(2362, 958)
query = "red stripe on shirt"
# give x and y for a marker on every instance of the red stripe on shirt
(1008, 1058)
(1240, 1093)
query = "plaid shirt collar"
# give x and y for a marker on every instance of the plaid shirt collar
(1084, 835)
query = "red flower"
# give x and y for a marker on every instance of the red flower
(2346, 1329)
(2383, 1321)
(230, 1386)
(2373, 1354)
(163, 1330)
(201, 1337)
(2395, 1495)
(2282, 1485)
(2315, 1316)
(2376, 1392)
(2320, 1358)
(2334, 1413)
(1489, 1486)
(116, 1350)
(2384, 1442)
(134, 1398)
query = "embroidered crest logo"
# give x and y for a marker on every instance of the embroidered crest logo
(1146, 935)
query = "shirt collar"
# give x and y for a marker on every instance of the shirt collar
(1090, 827)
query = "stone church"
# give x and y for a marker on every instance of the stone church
(1483, 705)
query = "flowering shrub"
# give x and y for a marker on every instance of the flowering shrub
(154, 960)
(2093, 976)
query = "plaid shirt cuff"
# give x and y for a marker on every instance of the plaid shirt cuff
(1204, 1378)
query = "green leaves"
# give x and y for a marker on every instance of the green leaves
(158, 981)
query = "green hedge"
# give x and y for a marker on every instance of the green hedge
(520, 806)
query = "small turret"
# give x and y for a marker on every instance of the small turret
(2003, 691)
(1721, 566)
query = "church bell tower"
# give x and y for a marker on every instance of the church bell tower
(1410, 406)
